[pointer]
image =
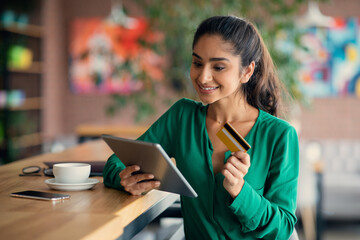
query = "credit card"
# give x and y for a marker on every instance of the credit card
(232, 139)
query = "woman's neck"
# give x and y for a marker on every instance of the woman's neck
(231, 111)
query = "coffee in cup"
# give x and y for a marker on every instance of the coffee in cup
(71, 173)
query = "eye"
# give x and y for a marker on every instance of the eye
(219, 68)
(196, 64)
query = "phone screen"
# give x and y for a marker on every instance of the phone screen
(40, 195)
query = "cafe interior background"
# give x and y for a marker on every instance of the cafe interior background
(71, 70)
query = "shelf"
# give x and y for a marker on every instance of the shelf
(29, 104)
(34, 68)
(28, 140)
(19, 144)
(29, 30)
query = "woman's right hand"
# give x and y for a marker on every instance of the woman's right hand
(134, 183)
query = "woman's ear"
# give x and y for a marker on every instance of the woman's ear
(247, 72)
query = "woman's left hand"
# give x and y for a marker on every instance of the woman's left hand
(234, 171)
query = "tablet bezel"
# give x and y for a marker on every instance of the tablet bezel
(132, 152)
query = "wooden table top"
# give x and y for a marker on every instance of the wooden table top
(99, 213)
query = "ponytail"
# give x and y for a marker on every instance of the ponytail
(263, 90)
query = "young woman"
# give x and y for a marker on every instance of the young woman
(240, 195)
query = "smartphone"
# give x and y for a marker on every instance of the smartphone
(40, 195)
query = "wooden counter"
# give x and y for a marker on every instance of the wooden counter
(99, 213)
(86, 132)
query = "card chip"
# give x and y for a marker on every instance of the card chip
(232, 139)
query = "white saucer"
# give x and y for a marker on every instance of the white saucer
(71, 186)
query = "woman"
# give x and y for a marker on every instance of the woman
(240, 195)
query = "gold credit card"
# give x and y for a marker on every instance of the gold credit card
(232, 139)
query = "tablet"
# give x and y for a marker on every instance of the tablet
(151, 158)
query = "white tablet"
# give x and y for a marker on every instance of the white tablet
(151, 158)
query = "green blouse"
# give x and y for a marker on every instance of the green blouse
(265, 207)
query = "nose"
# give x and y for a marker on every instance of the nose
(205, 75)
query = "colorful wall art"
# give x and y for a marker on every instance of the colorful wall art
(109, 58)
(330, 65)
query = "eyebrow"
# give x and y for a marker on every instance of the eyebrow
(211, 59)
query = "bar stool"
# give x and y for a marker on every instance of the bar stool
(294, 235)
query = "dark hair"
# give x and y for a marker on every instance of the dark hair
(263, 90)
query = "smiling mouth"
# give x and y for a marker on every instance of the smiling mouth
(208, 88)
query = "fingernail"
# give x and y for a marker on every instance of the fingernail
(157, 184)
(232, 153)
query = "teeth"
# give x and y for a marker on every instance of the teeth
(207, 89)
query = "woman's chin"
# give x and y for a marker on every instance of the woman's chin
(207, 100)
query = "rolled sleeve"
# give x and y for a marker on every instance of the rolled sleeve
(244, 205)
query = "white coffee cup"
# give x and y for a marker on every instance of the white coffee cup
(71, 172)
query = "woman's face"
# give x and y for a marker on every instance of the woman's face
(215, 71)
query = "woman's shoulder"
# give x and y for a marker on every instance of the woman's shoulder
(186, 104)
(274, 124)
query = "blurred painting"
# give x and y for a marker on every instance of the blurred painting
(109, 58)
(330, 65)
